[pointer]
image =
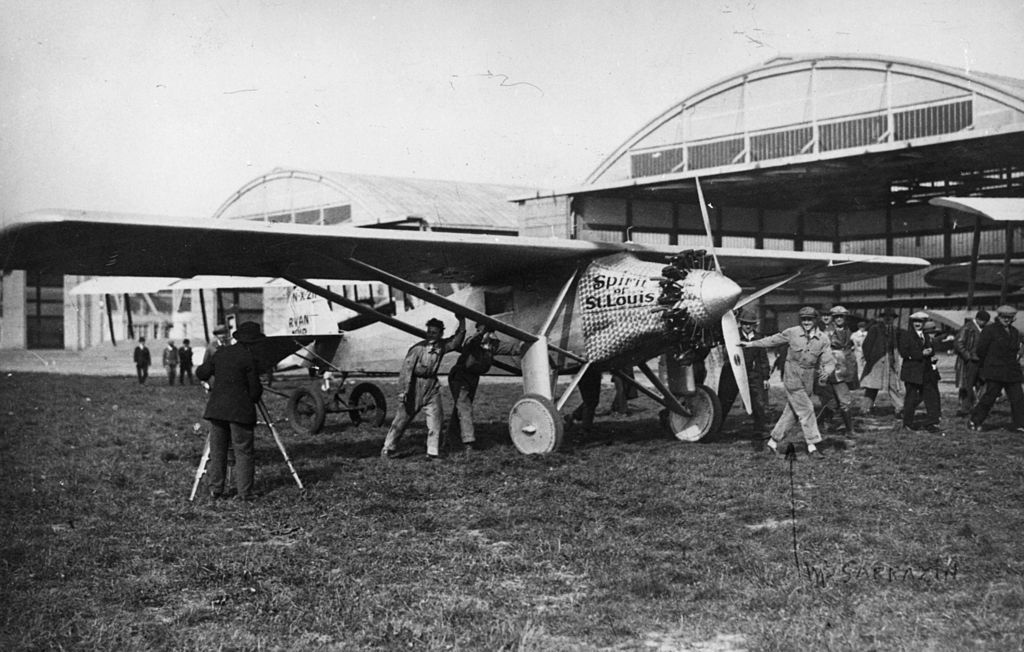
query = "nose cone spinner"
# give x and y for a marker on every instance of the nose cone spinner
(718, 295)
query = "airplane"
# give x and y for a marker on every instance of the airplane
(576, 305)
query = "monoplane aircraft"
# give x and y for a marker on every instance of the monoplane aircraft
(577, 305)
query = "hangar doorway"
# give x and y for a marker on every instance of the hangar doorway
(44, 310)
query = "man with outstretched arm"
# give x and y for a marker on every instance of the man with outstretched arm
(809, 353)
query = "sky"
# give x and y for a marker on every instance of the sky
(168, 107)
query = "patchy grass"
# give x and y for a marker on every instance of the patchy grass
(627, 541)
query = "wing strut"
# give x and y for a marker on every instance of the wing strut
(456, 308)
(352, 305)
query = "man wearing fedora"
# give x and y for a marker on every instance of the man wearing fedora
(999, 349)
(968, 362)
(809, 355)
(919, 373)
(231, 409)
(881, 371)
(758, 371)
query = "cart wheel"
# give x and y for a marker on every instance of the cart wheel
(706, 416)
(367, 405)
(307, 410)
(535, 425)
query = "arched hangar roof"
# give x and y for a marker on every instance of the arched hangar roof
(827, 128)
(309, 197)
(814, 106)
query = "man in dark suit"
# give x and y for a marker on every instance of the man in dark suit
(142, 360)
(758, 371)
(185, 363)
(999, 349)
(919, 374)
(231, 409)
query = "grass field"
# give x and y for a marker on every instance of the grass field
(627, 541)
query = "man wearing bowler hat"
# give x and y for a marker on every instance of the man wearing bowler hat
(231, 409)
(999, 349)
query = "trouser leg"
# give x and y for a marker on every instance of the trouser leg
(243, 443)
(759, 404)
(402, 418)
(1015, 393)
(216, 466)
(870, 394)
(464, 406)
(987, 400)
(910, 405)
(434, 414)
(803, 407)
(727, 389)
(786, 421)
(932, 404)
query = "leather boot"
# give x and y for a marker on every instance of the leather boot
(825, 419)
(848, 422)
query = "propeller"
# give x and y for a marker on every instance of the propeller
(730, 328)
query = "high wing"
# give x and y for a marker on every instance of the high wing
(77, 242)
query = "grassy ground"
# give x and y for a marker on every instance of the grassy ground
(628, 541)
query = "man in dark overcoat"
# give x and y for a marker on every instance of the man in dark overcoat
(142, 359)
(919, 375)
(999, 349)
(967, 361)
(231, 409)
(758, 371)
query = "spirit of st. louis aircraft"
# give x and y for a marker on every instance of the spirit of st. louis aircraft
(575, 305)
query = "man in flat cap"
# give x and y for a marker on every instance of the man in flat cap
(231, 410)
(968, 362)
(419, 388)
(919, 373)
(758, 371)
(835, 392)
(809, 354)
(881, 370)
(999, 349)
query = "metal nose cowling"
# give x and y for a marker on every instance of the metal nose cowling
(719, 294)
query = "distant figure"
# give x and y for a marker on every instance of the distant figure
(171, 361)
(999, 348)
(881, 362)
(809, 355)
(758, 371)
(967, 361)
(185, 363)
(231, 410)
(419, 388)
(142, 360)
(919, 373)
(464, 377)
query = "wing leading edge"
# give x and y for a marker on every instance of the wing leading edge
(76, 242)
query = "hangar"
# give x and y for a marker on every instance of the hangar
(825, 153)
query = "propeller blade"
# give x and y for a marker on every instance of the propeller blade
(707, 225)
(733, 350)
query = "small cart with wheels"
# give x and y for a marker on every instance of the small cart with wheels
(309, 405)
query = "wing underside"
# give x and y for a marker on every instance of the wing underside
(74, 242)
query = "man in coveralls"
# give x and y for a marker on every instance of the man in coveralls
(967, 361)
(418, 388)
(464, 377)
(809, 351)
(758, 371)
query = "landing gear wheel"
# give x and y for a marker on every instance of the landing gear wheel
(307, 411)
(706, 416)
(535, 425)
(368, 405)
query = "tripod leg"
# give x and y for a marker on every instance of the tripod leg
(277, 438)
(201, 470)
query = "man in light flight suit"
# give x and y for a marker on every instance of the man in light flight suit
(810, 351)
(419, 389)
